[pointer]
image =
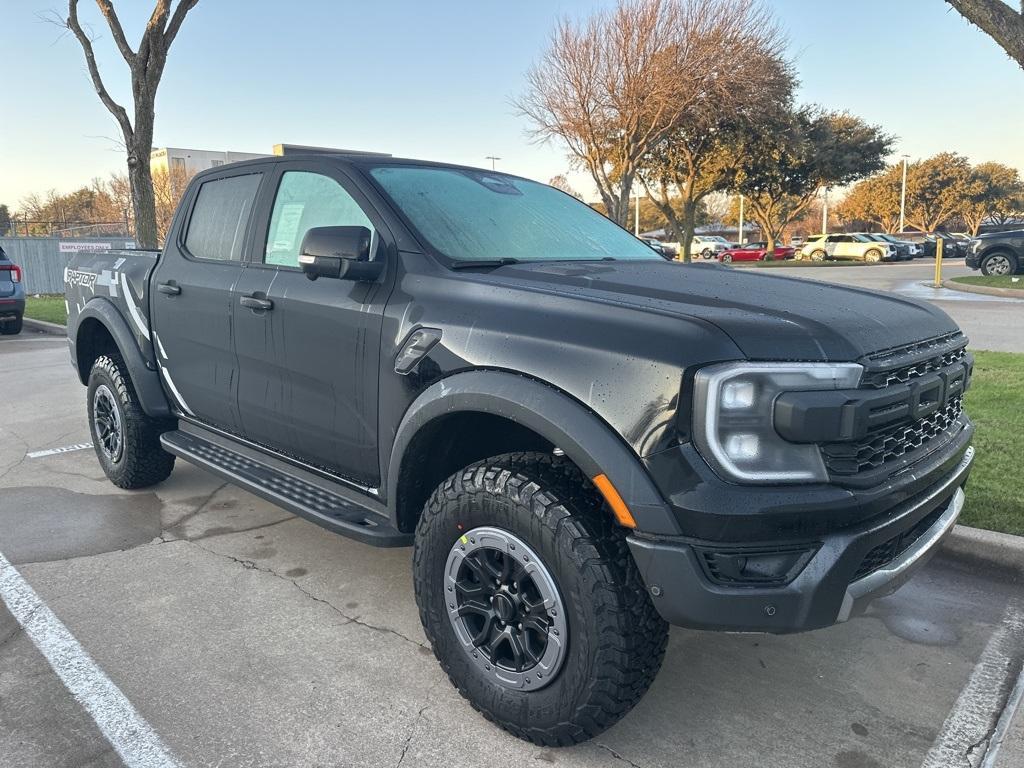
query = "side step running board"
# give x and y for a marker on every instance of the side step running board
(315, 502)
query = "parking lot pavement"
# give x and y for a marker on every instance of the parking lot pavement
(991, 322)
(246, 637)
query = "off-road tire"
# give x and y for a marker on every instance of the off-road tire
(142, 462)
(11, 328)
(616, 639)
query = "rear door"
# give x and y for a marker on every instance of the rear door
(309, 361)
(841, 247)
(191, 297)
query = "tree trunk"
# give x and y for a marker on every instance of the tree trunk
(140, 177)
(621, 216)
(689, 225)
(143, 201)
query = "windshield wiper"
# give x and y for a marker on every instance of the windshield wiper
(483, 263)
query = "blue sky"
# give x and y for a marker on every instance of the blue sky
(435, 80)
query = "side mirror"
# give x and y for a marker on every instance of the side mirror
(342, 253)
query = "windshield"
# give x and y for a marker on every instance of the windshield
(469, 215)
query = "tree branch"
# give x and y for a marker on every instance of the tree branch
(107, 9)
(114, 108)
(997, 19)
(176, 20)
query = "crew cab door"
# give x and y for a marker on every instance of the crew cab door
(191, 296)
(309, 357)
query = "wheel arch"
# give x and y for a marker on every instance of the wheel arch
(100, 330)
(513, 412)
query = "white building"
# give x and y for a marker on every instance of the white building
(192, 161)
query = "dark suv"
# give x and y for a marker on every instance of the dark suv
(998, 253)
(12, 296)
(583, 442)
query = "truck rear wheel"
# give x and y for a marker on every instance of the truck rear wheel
(127, 441)
(504, 551)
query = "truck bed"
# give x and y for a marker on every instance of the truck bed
(120, 277)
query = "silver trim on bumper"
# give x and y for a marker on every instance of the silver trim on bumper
(891, 576)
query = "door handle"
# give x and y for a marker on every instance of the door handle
(170, 289)
(253, 302)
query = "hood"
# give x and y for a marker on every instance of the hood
(769, 317)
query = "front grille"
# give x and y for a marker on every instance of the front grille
(905, 373)
(890, 443)
(885, 553)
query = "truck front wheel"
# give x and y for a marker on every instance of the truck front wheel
(127, 441)
(531, 600)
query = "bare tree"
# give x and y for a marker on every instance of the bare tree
(146, 64)
(613, 86)
(999, 21)
(562, 183)
(700, 155)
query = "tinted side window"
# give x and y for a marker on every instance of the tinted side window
(219, 217)
(305, 200)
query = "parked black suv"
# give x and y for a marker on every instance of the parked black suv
(998, 253)
(583, 442)
(12, 296)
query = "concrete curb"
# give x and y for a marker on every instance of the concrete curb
(1007, 293)
(44, 327)
(976, 545)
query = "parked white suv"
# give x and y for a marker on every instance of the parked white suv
(842, 246)
(709, 246)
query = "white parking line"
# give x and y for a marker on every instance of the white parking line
(967, 733)
(62, 449)
(128, 733)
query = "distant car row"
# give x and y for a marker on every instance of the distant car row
(859, 246)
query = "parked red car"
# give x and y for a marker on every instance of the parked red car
(755, 252)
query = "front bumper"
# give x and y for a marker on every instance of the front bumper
(832, 586)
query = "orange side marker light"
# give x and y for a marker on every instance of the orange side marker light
(619, 508)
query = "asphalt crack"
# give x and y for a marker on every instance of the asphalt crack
(616, 755)
(412, 734)
(251, 565)
(199, 507)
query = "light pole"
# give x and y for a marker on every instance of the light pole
(493, 160)
(903, 196)
(741, 220)
(824, 213)
(636, 219)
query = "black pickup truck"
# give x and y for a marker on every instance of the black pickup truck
(997, 253)
(583, 442)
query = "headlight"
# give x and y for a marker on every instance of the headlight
(733, 413)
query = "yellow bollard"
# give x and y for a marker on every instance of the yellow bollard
(938, 262)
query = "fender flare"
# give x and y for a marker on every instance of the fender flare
(145, 380)
(565, 422)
